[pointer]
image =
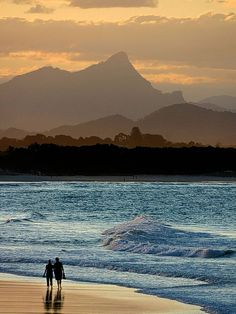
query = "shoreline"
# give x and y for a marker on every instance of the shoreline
(136, 178)
(19, 294)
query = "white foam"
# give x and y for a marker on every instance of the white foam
(145, 236)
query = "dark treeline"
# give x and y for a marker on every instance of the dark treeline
(49, 159)
(135, 138)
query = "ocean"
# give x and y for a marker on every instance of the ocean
(174, 240)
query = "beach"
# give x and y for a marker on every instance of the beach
(172, 240)
(29, 295)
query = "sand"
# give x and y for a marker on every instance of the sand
(22, 295)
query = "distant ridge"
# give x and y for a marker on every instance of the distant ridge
(13, 133)
(223, 101)
(104, 127)
(50, 97)
(211, 106)
(188, 122)
(177, 123)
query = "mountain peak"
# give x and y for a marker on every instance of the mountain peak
(49, 97)
(49, 69)
(118, 58)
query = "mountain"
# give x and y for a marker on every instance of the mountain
(5, 79)
(224, 101)
(104, 127)
(13, 133)
(210, 106)
(177, 123)
(50, 97)
(188, 122)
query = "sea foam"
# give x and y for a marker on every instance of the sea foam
(145, 236)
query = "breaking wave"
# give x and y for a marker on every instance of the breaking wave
(15, 220)
(28, 218)
(145, 236)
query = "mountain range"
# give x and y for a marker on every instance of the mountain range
(108, 98)
(50, 97)
(220, 103)
(180, 122)
(188, 122)
(13, 133)
(177, 123)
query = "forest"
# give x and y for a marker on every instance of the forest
(134, 139)
(108, 159)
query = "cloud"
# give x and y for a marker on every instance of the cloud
(40, 9)
(88, 4)
(207, 41)
(226, 3)
(20, 1)
(183, 79)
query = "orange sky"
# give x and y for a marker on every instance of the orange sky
(61, 9)
(186, 44)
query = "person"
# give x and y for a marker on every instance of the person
(58, 272)
(48, 273)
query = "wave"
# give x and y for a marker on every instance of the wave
(31, 217)
(145, 236)
(15, 220)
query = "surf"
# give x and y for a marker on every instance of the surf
(144, 236)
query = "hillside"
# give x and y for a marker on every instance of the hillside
(224, 101)
(104, 127)
(187, 122)
(13, 133)
(177, 123)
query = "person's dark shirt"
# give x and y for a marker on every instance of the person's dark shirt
(58, 270)
(49, 270)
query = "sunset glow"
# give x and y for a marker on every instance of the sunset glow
(194, 36)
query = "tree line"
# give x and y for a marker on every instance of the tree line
(108, 159)
(134, 139)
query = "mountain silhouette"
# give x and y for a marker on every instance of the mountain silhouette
(224, 101)
(13, 133)
(211, 106)
(177, 123)
(187, 122)
(103, 127)
(50, 97)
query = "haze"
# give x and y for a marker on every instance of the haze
(186, 45)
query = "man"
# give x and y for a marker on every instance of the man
(58, 272)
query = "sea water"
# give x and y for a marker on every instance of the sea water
(175, 240)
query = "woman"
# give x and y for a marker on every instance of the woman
(58, 272)
(48, 273)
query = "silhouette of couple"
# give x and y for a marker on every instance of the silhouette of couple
(58, 270)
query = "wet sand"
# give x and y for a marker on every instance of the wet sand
(31, 296)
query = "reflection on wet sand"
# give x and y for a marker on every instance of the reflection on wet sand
(58, 300)
(56, 303)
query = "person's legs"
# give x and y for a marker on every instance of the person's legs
(51, 281)
(47, 281)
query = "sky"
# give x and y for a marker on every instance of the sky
(176, 44)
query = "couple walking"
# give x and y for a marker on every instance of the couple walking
(58, 270)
